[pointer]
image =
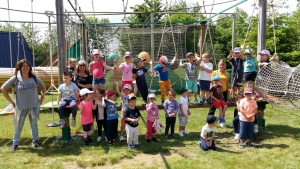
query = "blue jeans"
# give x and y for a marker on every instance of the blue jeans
(204, 147)
(62, 105)
(33, 123)
(97, 81)
(246, 130)
(143, 89)
(235, 123)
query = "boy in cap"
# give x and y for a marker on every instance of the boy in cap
(184, 111)
(72, 67)
(132, 117)
(111, 117)
(162, 69)
(208, 133)
(191, 74)
(139, 76)
(236, 58)
(264, 58)
(249, 65)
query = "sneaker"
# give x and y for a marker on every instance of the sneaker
(129, 147)
(109, 142)
(185, 132)
(154, 139)
(222, 125)
(148, 141)
(121, 138)
(86, 142)
(173, 135)
(13, 148)
(35, 144)
(241, 145)
(236, 136)
(255, 128)
(208, 101)
(62, 123)
(136, 146)
(196, 101)
(90, 140)
(166, 136)
(99, 138)
(201, 101)
(180, 133)
(73, 122)
(249, 144)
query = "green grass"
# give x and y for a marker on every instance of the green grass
(276, 147)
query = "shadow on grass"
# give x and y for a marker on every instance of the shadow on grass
(271, 146)
(280, 130)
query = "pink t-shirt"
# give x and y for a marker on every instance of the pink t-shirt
(151, 110)
(87, 115)
(127, 71)
(249, 107)
(97, 68)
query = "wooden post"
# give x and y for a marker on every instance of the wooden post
(202, 38)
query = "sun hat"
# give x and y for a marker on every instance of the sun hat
(96, 51)
(85, 91)
(127, 86)
(216, 78)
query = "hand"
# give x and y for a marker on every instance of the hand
(182, 114)
(41, 100)
(13, 103)
(150, 62)
(176, 55)
(115, 61)
(115, 81)
(210, 142)
(201, 67)
(247, 46)
(218, 100)
(231, 53)
(207, 143)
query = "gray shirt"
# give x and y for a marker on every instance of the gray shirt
(190, 71)
(26, 92)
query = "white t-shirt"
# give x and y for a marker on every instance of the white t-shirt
(204, 75)
(207, 131)
(185, 104)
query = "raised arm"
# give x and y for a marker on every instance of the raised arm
(229, 57)
(180, 63)
(198, 61)
(117, 88)
(174, 59)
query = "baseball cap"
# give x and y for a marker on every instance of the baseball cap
(131, 96)
(211, 119)
(84, 91)
(96, 51)
(248, 90)
(216, 78)
(137, 60)
(151, 95)
(127, 54)
(189, 53)
(183, 89)
(237, 50)
(163, 59)
(265, 52)
(110, 92)
(127, 86)
(247, 51)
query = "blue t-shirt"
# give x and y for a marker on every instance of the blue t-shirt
(249, 65)
(111, 111)
(237, 66)
(68, 92)
(163, 74)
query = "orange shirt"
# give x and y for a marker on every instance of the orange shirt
(224, 77)
(249, 107)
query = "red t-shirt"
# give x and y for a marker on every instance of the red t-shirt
(87, 115)
(97, 68)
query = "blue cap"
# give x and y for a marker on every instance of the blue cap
(189, 53)
(236, 50)
(216, 78)
(127, 54)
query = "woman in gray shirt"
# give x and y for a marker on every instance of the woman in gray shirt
(26, 100)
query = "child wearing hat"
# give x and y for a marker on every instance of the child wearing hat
(184, 111)
(236, 57)
(208, 133)
(217, 99)
(249, 65)
(152, 115)
(126, 68)
(264, 58)
(139, 75)
(191, 74)
(162, 69)
(111, 117)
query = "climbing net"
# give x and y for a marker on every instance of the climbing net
(279, 85)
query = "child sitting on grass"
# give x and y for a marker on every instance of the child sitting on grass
(184, 111)
(208, 133)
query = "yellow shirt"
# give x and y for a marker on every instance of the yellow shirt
(224, 79)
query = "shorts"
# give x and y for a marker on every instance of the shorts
(183, 120)
(97, 81)
(191, 85)
(204, 85)
(236, 80)
(218, 105)
(87, 127)
(249, 76)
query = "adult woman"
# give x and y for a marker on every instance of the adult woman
(26, 100)
(83, 78)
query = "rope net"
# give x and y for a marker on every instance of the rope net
(279, 85)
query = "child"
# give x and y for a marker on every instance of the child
(72, 67)
(68, 96)
(191, 74)
(248, 109)
(249, 65)
(111, 117)
(184, 111)
(264, 58)
(98, 108)
(217, 99)
(97, 69)
(236, 119)
(152, 114)
(208, 133)
(162, 69)
(126, 68)
(132, 117)
(86, 115)
(124, 97)
(236, 58)
(139, 75)
(171, 108)
(206, 68)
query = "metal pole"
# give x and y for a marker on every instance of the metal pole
(233, 31)
(262, 26)
(202, 33)
(84, 42)
(152, 37)
(61, 38)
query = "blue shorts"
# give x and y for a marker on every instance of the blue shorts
(191, 85)
(99, 80)
(204, 85)
(236, 80)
